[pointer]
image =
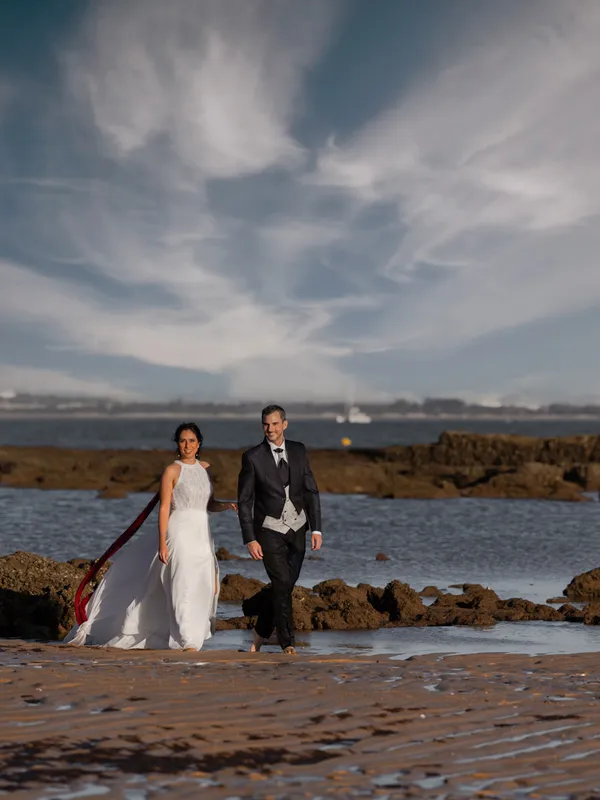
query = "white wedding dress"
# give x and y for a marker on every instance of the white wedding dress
(143, 603)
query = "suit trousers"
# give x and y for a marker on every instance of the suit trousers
(283, 554)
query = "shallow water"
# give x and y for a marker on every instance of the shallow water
(524, 548)
(530, 638)
(528, 548)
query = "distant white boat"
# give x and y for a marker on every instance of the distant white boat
(355, 416)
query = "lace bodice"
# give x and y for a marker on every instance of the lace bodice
(193, 488)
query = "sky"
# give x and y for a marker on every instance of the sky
(301, 199)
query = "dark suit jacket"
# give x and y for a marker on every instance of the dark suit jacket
(261, 493)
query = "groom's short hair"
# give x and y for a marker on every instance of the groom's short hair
(273, 409)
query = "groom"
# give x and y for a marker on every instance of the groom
(278, 500)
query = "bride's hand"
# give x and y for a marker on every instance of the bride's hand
(163, 554)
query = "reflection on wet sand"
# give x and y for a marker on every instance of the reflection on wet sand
(83, 723)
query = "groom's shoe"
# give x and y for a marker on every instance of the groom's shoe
(289, 650)
(257, 642)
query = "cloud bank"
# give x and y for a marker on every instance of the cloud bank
(184, 216)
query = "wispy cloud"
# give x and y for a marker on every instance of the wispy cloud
(493, 171)
(183, 220)
(37, 380)
(177, 95)
(221, 81)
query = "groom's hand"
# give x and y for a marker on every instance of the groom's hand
(316, 541)
(255, 550)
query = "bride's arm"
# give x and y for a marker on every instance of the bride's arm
(167, 483)
(216, 506)
(219, 505)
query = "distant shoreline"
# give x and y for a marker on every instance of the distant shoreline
(25, 415)
(22, 415)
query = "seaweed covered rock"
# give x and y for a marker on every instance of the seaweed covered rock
(36, 595)
(584, 587)
(236, 588)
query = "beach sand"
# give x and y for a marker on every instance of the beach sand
(94, 722)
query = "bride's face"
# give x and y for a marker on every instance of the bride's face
(188, 444)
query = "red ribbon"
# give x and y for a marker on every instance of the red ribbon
(80, 601)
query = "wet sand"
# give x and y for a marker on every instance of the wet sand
(223, 724)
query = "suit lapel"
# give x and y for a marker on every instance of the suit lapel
(270, 466)
(292, 461)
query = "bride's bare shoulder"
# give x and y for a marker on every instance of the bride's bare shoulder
(172, 469)
(204, 464)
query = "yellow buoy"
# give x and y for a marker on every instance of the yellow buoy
(346, 441)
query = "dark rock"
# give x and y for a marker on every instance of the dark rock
(474, 596)
(591, 614)
(399, 484)
(233, 623)
(402, 604)
(477, 596)
(235, 588)
(518, 610)
(448, 608)
(584, 587)
(36, 595)
(343, 607)
(571, 614)
(223, 554)
(587, 476)
(531, 480)
(454, 615)
(84, 564)
(374, 595)
(381, 557)
(430, 591)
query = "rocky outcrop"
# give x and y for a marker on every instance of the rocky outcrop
(430, 591)
(36, 602)
(584, 587)
(457, 465)
(36, 595)
(333, 605)
(481, 606)
(337, 606)
(223, 554)
(236, 588)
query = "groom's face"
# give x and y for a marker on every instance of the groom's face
(274, 426)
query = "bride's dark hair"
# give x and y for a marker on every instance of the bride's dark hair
(188, 426)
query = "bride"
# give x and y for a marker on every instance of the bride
(163, 597)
